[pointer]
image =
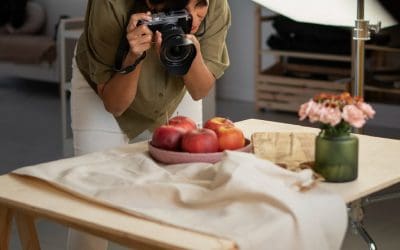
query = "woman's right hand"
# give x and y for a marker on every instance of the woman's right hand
(139, 37)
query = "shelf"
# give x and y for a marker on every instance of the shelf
(316, 69)
(277, 90)
(71, 30)
(72, 34)
(382, 90)
(382, 48)
(289, 83)
(307, 55)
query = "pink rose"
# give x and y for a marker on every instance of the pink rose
(315, 112)
(366, 109)
(331, 116)
(305, 109)
(353, 115)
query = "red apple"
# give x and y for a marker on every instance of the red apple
(183, 122)
(230, 138)
(216, 122)
(200, 140)
(167, 137)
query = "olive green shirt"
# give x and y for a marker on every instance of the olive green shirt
(158, 93)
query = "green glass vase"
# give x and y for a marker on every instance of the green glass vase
(336, 157)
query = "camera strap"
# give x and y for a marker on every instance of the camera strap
(122, 51)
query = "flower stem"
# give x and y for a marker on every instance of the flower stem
(343, 128)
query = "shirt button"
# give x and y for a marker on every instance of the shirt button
(156, 111)
(160, 95)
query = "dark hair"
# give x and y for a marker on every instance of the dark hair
(202, 3)
(171, 4)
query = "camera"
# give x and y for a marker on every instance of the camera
(177, 52)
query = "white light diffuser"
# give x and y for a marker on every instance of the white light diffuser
(329, 12)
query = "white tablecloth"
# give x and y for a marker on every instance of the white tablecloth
(243, 198)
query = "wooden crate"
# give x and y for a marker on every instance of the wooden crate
(275, 90)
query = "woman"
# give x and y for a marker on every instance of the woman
(109, 108)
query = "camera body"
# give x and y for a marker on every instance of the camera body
(172, 19)
(177, 52)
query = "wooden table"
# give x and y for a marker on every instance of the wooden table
(27, 199)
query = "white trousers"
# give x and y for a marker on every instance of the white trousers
(94, 129)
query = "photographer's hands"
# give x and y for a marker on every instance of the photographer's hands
(195, 41)
(139, 37)
(120, 91)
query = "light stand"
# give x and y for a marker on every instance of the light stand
(300, 11)
(361, 33)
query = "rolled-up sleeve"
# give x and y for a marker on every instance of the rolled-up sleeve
(213, 42)
(103, 34)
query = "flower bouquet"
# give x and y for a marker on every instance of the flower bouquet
(336, 149)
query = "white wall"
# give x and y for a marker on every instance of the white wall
(56, 8)
(238, 81)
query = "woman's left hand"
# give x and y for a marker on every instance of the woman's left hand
(196, 42)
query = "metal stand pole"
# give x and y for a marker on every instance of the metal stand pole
(361, 33)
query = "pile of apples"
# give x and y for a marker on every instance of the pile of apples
(181, 134)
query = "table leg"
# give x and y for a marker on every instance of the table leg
(27, 231)
(356, 215)
(5, 227)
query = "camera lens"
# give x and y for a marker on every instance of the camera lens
(177, 54)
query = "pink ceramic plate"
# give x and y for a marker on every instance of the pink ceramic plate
(174, 157)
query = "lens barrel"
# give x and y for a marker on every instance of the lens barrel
(177, 52)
